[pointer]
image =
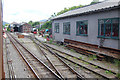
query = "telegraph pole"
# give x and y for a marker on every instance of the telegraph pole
(1, 44)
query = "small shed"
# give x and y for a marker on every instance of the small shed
(25, 28)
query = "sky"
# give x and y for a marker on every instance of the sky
(35, 10)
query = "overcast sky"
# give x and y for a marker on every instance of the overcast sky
(35, 10)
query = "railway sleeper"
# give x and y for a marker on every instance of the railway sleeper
(85, 52)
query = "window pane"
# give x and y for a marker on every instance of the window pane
(56, 27)
(78, 29)
(102, 29)
(101, 21)
(115, 29)
(115, 20)
(108, 21)
(81, 29)
(107, 30)
(66, 28)
(85, 30)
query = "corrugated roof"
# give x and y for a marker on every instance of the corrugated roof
(90, 8)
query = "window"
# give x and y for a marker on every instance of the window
(66, 28)
(108, 28)
(56, 27)
(82, 28)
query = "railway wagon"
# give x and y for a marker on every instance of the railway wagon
(97, 24)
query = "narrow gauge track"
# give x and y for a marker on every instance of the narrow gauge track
(62, 68)
(87, 65)
(39, 69)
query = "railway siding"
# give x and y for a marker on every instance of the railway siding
(60, 67)
(103, 64)
(87, 66)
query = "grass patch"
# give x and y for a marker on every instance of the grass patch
(51, 41)
(117, 62)
(86, 63)
(72, 50)
(45, 37)
(44, 42)
(95, 67)
(118, 75)
(67, 57)
(92, 57)
(74, 57)
(76, 65)
(80, 57)
(108, 72)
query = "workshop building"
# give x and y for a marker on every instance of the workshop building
(25, 28)
(97, 24)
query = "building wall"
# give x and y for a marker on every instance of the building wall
(92, 29)
(26, 29)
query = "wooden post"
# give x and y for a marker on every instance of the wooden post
(1, 44)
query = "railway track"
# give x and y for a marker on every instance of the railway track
(87, 65)
(38, 67)
(61, 68)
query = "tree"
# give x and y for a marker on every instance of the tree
(33, 24)
(30, 22)
(46, 25)
(94, 1)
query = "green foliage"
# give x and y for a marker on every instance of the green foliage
(3, 26)
(33, 24)
(86, 63)
(117, 62)
(6, 24)
(92, 57)
(80, 57)
(118, 75)
(95, 66)
(71, 8)
(108, 72)
(94, 1)
(72, 50)
(76, 65)
(50, 41)
(30, 22)
(46, 25)
(8, 29)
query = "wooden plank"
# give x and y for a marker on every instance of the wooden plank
(20, 36)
